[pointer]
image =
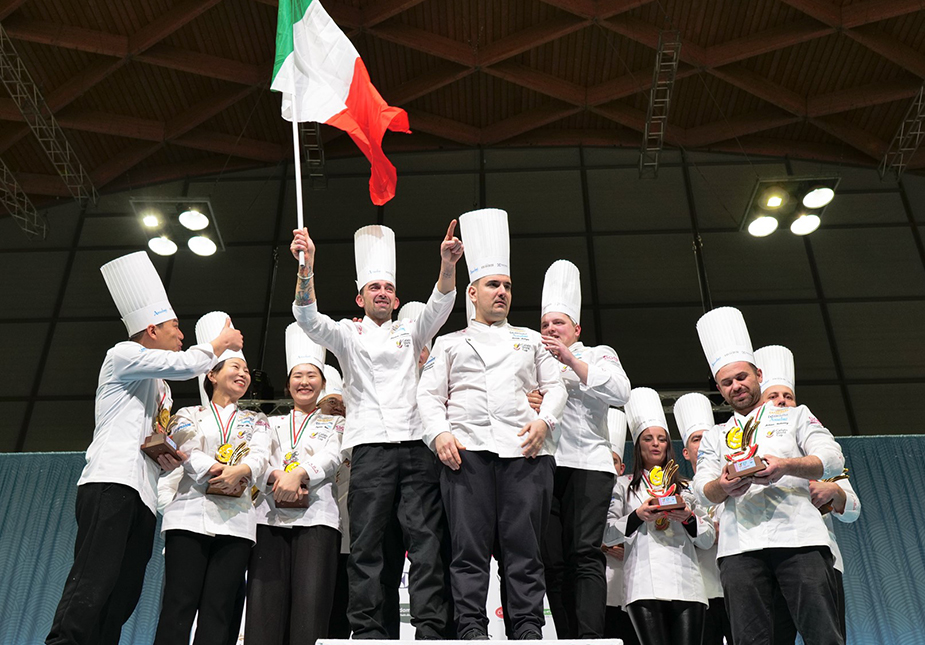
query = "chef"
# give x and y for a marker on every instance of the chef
(770, 531)
(391, 470)
(411, 311)
(117, 490)
(617, 623)
(497, 451)
(693, 413)
(663, 586)
(778, 387)
(595, 380)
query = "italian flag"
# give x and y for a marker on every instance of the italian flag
(323, 79)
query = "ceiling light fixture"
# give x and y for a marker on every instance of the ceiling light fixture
(193, 219)
(763, 226)
(201, 245)
(805, 224)
(162, 245)
(818, 197)
(169, 223)
(798, 202)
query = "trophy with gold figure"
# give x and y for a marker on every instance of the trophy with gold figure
(290, 463)
(230, 456)
(668, 499)
(744, 462)
(827, 507)
(159, 442)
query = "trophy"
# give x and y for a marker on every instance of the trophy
(160, 443)
(745, 462)
(290, 463)
(827, 507)
(667, 499)
(231, 457)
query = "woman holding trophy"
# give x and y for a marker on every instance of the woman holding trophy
(659, 525)
(210, 524)
(293, 567)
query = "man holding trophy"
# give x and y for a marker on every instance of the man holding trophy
(758, 466)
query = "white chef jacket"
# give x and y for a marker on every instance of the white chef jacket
(380, 368)
(317, 450)
(475, 385)
(129, 393)
(198, 435)
(583, 440)
(781, 514)
(851, 514)
(614, 568)
(659, 565)
(709, 568)
(341, 488)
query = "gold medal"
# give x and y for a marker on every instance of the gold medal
(734, 438)
(656, 476)
(163, 418)
(292, 466)
(224, 452)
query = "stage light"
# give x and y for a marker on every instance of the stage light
(805, 224)
(162, 245)
(151, 220)
(818, 197)
(201, 245)
(763, 226)
(193, 219)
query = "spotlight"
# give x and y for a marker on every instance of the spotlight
(162, 245)
(151, 220)
(774, 198)
(763, 226)
(201, 245)
(818, 197)
(193, 219)
(805, 224)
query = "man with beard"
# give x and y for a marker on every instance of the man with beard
(770, 531)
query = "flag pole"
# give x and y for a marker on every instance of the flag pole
(297, 152)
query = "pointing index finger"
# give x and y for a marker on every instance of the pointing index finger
(451, 230)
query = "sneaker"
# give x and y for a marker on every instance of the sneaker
(475, 634)
(530, 636)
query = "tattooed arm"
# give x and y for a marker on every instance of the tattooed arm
(305, 283)
(451, 249)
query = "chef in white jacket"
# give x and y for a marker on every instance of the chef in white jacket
(293, 566)
(210, 524)
(663, 586)
(117, 490)
(693, 413)
(497, 452)
(770, 531)
(778, 386)
(391, 470)
(617, 623)
(595, 380)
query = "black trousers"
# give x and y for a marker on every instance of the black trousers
(716, 624)
(807, 582)
(667, 622)
(339, 626)
(381, 477)
(508, 498)
(115, 533)
(290, 584)
(201, 573)
(617, 624)
(785, 632)
(575, 581)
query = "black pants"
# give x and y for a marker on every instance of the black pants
(290, 584)
(807, 581)
(617, 624)
(716, 624)
(381, 476)
(785, 632)
(115, 532)
(575, 581)
(339, 626)
(667, 622)
(508, 498)
(200, 573)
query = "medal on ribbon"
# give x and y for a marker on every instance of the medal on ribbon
(744, 462)
(226, 453)
(668, 500)
(291, 459)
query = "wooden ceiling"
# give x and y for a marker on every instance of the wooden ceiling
(151, 90)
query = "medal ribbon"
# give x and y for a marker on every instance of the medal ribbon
(225, 430)
(757, 421)
(293, 435)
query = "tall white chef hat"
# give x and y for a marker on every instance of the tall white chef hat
(487, 242)
(724, 338)
(301, 349)
(693, 412)
(333, 384)
(412, 311)
(562, 290)
(644, 410)
(207, 329)
(776, 365)
(374, 252)
(138, 292)
(616, 431)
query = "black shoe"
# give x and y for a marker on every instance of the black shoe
(474, 635)
(530, 636)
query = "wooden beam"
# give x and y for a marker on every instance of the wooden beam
(822, 10)
(854, 136)
(198, 167)
(9, 6)
(223, 69)
(385, 9)
(58, 35)
(122, 162)
(628, 84)
(443, 127)
(167, 23)
(34, 184)
(861, 97)
(237, 146)
(647, 34)
(538, 81)
(426, 83)
(765, 41)
(116, 125)
(345, 15)
(753, 83)
(529, 38)
(862, 13)
(204, 110)
(526, 121)
(597, 9)
(890, 48)
(74, 88)
(740, 126)
(426, 42)
(622, 114)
